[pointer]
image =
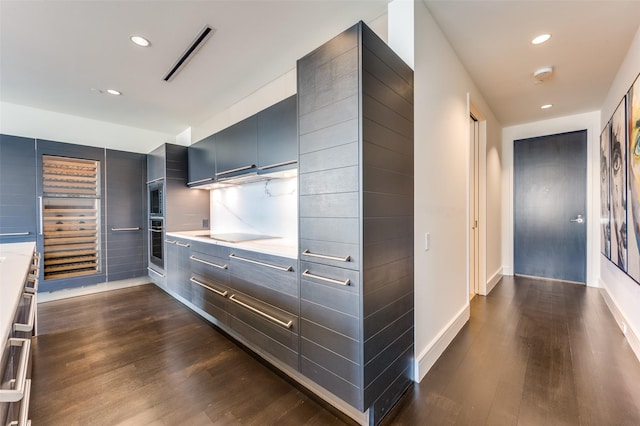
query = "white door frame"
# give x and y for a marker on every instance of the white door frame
(589, 121)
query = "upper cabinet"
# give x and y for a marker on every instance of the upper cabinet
(17, 191)
(278, 136)
(202, 162)
(266, 142)
(156, 164)
(237, 149)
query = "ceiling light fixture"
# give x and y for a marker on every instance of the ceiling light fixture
(547, 106)
(541, 74)
(541, 39)
(113, 92)
(140, 41)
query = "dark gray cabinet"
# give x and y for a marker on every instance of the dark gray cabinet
(263, 303)
(126, 218)
(156, 164)
(355, 112)
(202, 161)
(278, 136)
(209, 277)
(237, 149)
(18, 221)
(177, 267)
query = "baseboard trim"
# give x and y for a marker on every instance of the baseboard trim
(437, 346)
(90, 289)
(495, 279)
(507, 270)
(625, 326)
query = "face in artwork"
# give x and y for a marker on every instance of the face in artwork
(634, 159)
(618, 200)
(605, 203)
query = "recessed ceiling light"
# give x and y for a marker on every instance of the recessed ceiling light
(541, 39)
(140, 41)
(113, 92)
(547, 106)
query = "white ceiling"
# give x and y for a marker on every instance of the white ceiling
(53, 52)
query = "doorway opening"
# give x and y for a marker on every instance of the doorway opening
(474, 206)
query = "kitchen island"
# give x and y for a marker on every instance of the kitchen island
(15, 259)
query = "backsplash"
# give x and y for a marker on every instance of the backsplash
(268, 207)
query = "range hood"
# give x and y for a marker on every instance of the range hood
(247, 178)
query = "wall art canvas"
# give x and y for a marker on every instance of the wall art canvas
(633, 111)
(605, 199)
(619, 186)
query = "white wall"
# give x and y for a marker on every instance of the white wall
(622, 293)
(589, 121)
(442, 92)
(19, 120)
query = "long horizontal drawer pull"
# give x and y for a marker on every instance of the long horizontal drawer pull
(14, 234)
(273, 166)
(155, 230)
(221, 293)
(208, 263)
(199, 181)
(169, 242)
(155, 272)
(178, 243)
(329, 280)
(18, 392)
(23, 416)
(287, 324)
(239, 169)
(306, 252)
(31, 316)
(279, 268)
(137, 228)
(155, 180)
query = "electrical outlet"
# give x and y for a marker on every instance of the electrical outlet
(427, 241)
(205, 223)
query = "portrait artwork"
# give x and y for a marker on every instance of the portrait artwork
(619, 186)
(605, 200)
(633, 112)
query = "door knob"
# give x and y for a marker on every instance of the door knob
(578, 219)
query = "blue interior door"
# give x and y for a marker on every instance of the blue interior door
(550, 182)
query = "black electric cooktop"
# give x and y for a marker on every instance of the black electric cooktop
(237, 237)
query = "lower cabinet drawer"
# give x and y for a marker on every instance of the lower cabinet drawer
(209, 296)
(266, 327)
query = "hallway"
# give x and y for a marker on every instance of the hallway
(534, 353)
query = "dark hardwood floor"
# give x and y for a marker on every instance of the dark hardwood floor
(534, 353)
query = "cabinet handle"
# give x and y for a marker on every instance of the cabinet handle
(155, 180)
(30, 316)
(33, 288)
(182, 244)
(155, 230)
(273, 166)
(239, 169)
(14, 234)
(40, 214)
(279, 268)
(287, 324)
(137, 228)
(155, 272)
(196, 182)
(221, 293)
(208, 263)
(23, 417)
(306, 252)
(169, 242)
(17, 393)
(329, 280)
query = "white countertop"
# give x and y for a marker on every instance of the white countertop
(274, 246)
(14, 267)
